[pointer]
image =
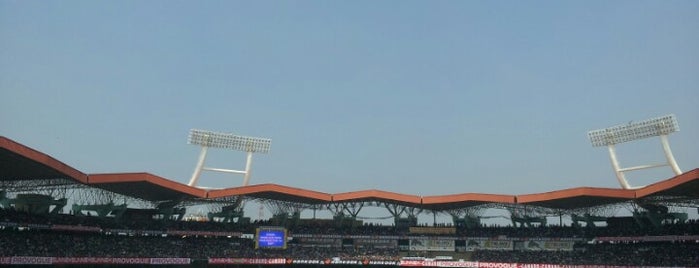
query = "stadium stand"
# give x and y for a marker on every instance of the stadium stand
(52, 214)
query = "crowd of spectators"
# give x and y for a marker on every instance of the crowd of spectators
(62, 244)
(624, 254)
(55, 244)
(10, 215)
(72, 244)
(691, 227)
(16, 241)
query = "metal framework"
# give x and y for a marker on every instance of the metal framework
(473, 212)
(283, 207)
(659, 126)
(209, 139)
(674, 201)
(607, 210)
(40, 186)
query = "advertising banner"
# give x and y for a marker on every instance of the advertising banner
(202, 233)
(647, 238)
(425, 263)
(33, 260)
(431, 245)
(319, 241)
(473, 244)
(79, 228)
(247, 261)
(376, 242)
(27, 260)
(91, 260)
(498, 244)
(305, 262)
(549, 245)
(432, 230)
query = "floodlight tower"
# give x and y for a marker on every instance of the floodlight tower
(209, 139)
(659, 126)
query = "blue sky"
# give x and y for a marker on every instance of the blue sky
(415, 97)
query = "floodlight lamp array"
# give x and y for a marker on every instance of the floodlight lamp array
(229, 141)
(634, 131)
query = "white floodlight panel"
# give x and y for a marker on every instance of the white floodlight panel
(634, 131)
(229, 141)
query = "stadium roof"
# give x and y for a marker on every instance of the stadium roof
(145, 186)
(684, 185)
(274, 192)
(456, 201)
(378, 195)
(19, 162)
(573, 198)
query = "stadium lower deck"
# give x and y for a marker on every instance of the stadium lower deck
(67, 240)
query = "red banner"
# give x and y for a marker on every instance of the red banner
(279, 261)
(170, 261)
(80, 228)
(90, 260)
(466, 264)
(426, 263)
(203, 233)
(28, 260)
(247, 261)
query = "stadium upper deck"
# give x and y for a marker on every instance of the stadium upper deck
(21, 163)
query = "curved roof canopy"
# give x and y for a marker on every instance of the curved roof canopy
(274, 192)
(19, 162)
(145, 186)
(577, 197)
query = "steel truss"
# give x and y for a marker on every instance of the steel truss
(606, 211)
(56, 187)
(284, 207)
(472, 212)
(236, 202)
(530, 211)
(674, 201)
(96, 196)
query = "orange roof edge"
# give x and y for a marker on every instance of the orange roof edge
(372, 194)
(669, 183)
(42, 158)
(455, 198)
(578, 191)
(268, 187)
(146, 177)
(377, 194)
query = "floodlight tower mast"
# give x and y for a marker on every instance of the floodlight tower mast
(659, 126)
(211, 139)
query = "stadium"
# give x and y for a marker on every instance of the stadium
(55, 215)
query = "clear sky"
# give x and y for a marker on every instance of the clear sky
(415, 97)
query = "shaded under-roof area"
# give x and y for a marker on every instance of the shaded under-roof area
(457, 201)
(573, 198)
(684, 185)
(19, 162)
(378, 196)
(145, 186)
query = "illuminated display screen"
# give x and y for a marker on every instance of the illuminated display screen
(270, 238)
